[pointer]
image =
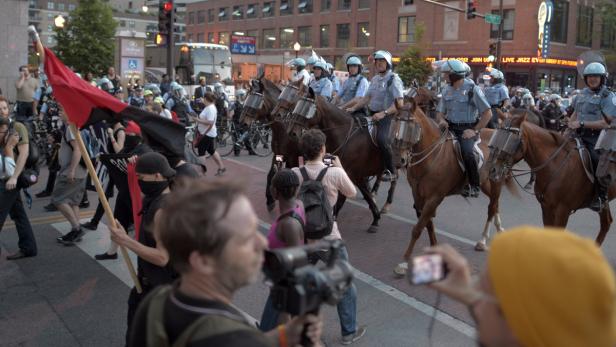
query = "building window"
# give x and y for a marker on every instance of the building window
(324, 36)
(123, 23)
(326, 5)
(406, 29)
(286, 37)
(252, 10)
(363, 4)
(223, 38)
(200, 16)
(344, 4)
(559, 21)
(305, 6)
(608, 36)
(50, 5)
(60, 7)
(50, 40)
(238, 13)
(363, 34)
(269, 38)
(508, 24)
(304, 36)
(71, 7)
(343, 33)
(268, 9)
(210, 38)
(584, 26)
(253, 33)
(200, 37)
(407, 2)
(286, 7)
(131, 24)
(191, 18)
(222, 14)
(49, 27)
(210, 16)
(49, 16)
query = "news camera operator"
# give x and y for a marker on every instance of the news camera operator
(217, 250)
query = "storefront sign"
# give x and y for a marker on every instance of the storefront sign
(512, 60)
(243, 44)
(544, 18)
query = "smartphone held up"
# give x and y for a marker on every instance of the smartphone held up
(427, 269)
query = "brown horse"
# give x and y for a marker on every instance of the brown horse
(562, 185)
(262, 98)
(434, 173)
(351, 143)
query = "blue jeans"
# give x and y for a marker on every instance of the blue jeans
(11, 205)
(347, 307)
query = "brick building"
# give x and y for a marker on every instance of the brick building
(335, 27)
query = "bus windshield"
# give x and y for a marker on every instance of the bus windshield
(205, 60)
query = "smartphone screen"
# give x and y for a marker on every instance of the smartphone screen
(327, 161)
(427, 269)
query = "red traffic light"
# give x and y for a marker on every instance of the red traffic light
(168, 6)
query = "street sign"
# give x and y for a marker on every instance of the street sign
(492, 18)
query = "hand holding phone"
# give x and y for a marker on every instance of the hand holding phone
(427, 269)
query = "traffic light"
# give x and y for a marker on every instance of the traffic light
(493, 49)
(160, 40)
(471, 8)
(165, 16)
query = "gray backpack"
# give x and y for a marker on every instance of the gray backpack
(319, 212)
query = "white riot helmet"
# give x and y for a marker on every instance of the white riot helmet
(384, 55)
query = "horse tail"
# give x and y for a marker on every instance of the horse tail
(512, 187)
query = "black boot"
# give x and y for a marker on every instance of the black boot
(600, 201)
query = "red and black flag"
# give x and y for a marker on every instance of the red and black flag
(86, 105)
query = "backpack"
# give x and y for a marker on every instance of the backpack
(319, 212)
(92, 146)
(212, 323)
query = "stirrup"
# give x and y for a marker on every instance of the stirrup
(387, 176)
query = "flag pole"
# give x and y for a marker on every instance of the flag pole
(103, 200)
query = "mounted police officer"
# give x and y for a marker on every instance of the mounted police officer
(321, 85)
(595, 106)
(457, 110)
(332, 77)
(383, 95)
(300, 71)
(313, 59)
(497, 95)
(355, 86)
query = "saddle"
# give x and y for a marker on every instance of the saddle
(364, 122)
(585, 158)
(478, 154)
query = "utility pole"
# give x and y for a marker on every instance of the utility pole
(171, 43)
(499, 39)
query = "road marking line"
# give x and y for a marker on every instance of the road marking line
(53, 218)
(391, 215)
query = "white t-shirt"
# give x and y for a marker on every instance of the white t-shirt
(208, 114)
(165, 114)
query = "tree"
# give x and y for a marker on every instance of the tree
(412, 64)
(87, 40)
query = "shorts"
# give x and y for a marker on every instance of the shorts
(65, 192)
(207, 144)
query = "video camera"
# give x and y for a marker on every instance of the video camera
(300, 286)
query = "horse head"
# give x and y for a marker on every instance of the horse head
(260, 101)
(405, 131)
(291, 93)
(506, 146)
(304, 115)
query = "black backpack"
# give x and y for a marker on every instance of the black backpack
(319, 212)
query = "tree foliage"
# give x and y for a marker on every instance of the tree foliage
(413, 65)
(87, 40)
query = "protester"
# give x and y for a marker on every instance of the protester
(210, 233)
(115, 79)
(165, 85)
(13, 140)
(540, 287)
(154, 175)
(334, 181)
(206, 126)
(286, 231)
(71, 182)
(26, 86)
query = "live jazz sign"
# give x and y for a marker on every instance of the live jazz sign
(544, 18)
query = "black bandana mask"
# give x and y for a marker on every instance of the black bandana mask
(152, 189)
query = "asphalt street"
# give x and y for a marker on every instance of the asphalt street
(63, 297)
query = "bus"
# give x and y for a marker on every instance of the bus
(192, 61)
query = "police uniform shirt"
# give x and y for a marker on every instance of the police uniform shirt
(335, 83)
(591, 106)
(496, 94)
(302, 73)
(457, 107)
(322, 87)
(348, 93)
(382, 96)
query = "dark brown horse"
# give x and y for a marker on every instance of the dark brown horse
(434, 173)
(262, 98)
(562, 185)
(352, 144)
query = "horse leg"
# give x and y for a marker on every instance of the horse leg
(531, 182)
(561, 217)
(365, 191)
(429, 226)
(493, 190)
(547, 216)
(390, 197)
(427, 213)
(375, 187)
(605, 217)
(271, 203)
(339, 203)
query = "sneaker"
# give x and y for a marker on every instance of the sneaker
(475, 192)
(76, 237)
(84, 204)
(221, 172)
(43, 194)
(50, 207)
(466, 191)
(597, 204)
(66, 236)
(90, 225)
(106, 256)
(349, 339)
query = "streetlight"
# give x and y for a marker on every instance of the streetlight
(59, 21)
(296, 48)
(144, 8)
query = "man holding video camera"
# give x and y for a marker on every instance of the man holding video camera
(217, 250)
(334, 180)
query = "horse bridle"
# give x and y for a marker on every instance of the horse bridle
(289, 95)
(254, 102)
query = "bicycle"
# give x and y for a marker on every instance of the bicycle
(230, 138)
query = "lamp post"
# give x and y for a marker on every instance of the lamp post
(296, 48)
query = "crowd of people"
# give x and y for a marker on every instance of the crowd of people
(197, 239)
